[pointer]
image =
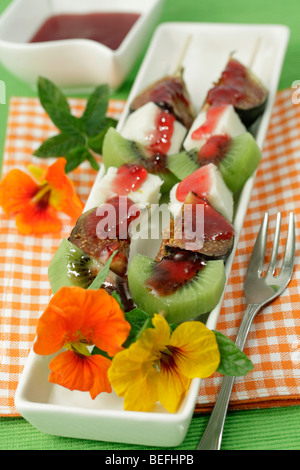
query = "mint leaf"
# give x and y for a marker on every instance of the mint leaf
(65, 122)
(57, 107)
(93, 162)
(102, 275)
(51, 96)
(96, 142)
(95, 110)
(75, 157)
(233, 362)
(100, 352)
(59, 145)
(79, 137)
(139, 320)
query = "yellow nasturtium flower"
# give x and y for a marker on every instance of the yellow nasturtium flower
(159, 366)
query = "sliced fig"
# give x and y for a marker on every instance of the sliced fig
(93, 228)
(169, 93)
(239, 86)
(216, 237)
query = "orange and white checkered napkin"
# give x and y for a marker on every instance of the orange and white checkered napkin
(24, 286)
(274, 340)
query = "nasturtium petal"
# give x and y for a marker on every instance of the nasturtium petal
(129, 366)
(86, 374)
(37, 219)
(141, 395)
(16, 191)
(198, 353)
(63, 196)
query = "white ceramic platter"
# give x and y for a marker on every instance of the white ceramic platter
(77, 65)
(55, 410)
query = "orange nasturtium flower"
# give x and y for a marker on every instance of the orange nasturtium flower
(36, 201)
(75, 319)
(159, 366)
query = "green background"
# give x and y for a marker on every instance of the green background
(273, 429)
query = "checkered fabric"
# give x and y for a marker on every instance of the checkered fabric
(24, 285)
(274, 340)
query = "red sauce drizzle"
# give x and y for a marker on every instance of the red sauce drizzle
(106, 28)
(117, 220)
(232, 85)
(214, 150)
(160, 140)
(213, 115)
(199, 182)
(129, 177)
(216, 227)
(172, 273)
(168, 91)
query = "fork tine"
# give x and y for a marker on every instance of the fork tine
(289, 257)
(258, 254)
(272, 264)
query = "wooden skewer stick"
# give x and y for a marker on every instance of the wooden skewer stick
(178, 68)
(254, 52)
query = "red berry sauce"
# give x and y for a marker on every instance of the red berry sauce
(108, 28)
(129, 177)
(214, 150)
(172, 273)
(213, 115)
(160, 139)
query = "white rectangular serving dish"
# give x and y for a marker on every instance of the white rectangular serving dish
(72, 64)
(55, 410)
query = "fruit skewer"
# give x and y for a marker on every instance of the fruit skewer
(146, 289)
(210, 276)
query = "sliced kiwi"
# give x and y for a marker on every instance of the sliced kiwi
(184, 163)
(239, 162)
(117, 151)
(198, 296)
(70, 266)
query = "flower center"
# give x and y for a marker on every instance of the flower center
(43, 195)
(168, 358)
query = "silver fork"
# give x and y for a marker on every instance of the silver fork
(259, 291)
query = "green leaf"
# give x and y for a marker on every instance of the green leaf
(102, 275)
(233, 362)
(75, 157)
(93, 162)
(95, 110)
(139, 320)
(65, 122)
(96, 142)
(100, 352)
(79, 137)
(50, 95)
(57, 107)
(59, 145)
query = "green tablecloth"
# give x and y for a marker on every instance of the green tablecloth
(272, 429)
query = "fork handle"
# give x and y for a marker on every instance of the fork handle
(212, 437)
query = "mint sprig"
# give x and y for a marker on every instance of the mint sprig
(79, 137)
(234, 362)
